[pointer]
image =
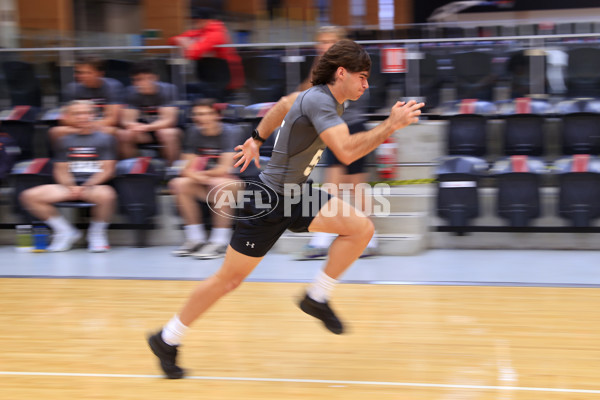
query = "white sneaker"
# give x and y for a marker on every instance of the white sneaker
(188, 248)
(210, 251)
(97, 242)
(64, 241)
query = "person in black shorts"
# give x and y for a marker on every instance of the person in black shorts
(279, 200)
(151, 114)
(336, 172)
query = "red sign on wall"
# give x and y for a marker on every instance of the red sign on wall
(393, 60)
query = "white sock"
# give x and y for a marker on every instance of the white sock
(60, 225)
(173, 331)
(321, 240)
(220, 235)
(321, 288)
(195, 233)
(373, 242)
(98, 226)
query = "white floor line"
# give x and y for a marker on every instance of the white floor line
(323, 381)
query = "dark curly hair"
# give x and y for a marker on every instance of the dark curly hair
(345, 53)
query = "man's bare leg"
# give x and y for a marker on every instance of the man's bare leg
(354, 231)
(235, 268)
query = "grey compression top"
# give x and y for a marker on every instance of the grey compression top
(298, 146)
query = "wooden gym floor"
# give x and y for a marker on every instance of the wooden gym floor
(85, 339)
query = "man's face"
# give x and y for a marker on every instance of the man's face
(205, 117)
(325, 41)
(87, 75)
(355, 84)
(145, 83)
(81, 116)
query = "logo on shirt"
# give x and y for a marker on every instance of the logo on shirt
(83, 160)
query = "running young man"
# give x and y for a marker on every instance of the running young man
(313, 123)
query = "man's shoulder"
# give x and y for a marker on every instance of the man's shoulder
(316, 97)
(318, 92)
(74, 87)
(230, 128)
(166, 89)
(132, 91)
(112, 83)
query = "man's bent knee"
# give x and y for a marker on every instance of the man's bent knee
(180, 184)
(167, 134)
(106, 193)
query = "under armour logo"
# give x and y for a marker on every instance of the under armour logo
(248, 244)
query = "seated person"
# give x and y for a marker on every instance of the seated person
(208, 155)
(105, 93)
(85, 162)
(151, 114)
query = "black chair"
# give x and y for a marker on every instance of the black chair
(162, 68)
(254, 113)
(583, 76)
(474, 75)
(25, 175)
(467, 135)
(430, 81)
(9, 151)
(20, 124)
(23, 85)
(306, 66)
(265, 77)
(518, 183)
(457, 188)
(579, 189)
(524, 135)
(518, 73)
(213, 76)
(119, 70)
(136, 183)
(581, 133)
(378, 83)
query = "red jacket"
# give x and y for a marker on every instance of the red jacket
(214, 33)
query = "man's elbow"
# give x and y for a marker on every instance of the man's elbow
(347, 161)
(344, 158)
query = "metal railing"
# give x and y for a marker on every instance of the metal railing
(292, 55)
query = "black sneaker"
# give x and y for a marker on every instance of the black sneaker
(323, 312)
(167, 355)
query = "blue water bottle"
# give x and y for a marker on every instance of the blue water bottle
(40, 238)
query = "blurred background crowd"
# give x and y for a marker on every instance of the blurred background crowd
(144, 64)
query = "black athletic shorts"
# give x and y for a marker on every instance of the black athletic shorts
(267, 214)
(356, 167)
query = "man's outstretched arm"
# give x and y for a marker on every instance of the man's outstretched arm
(348, 148)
